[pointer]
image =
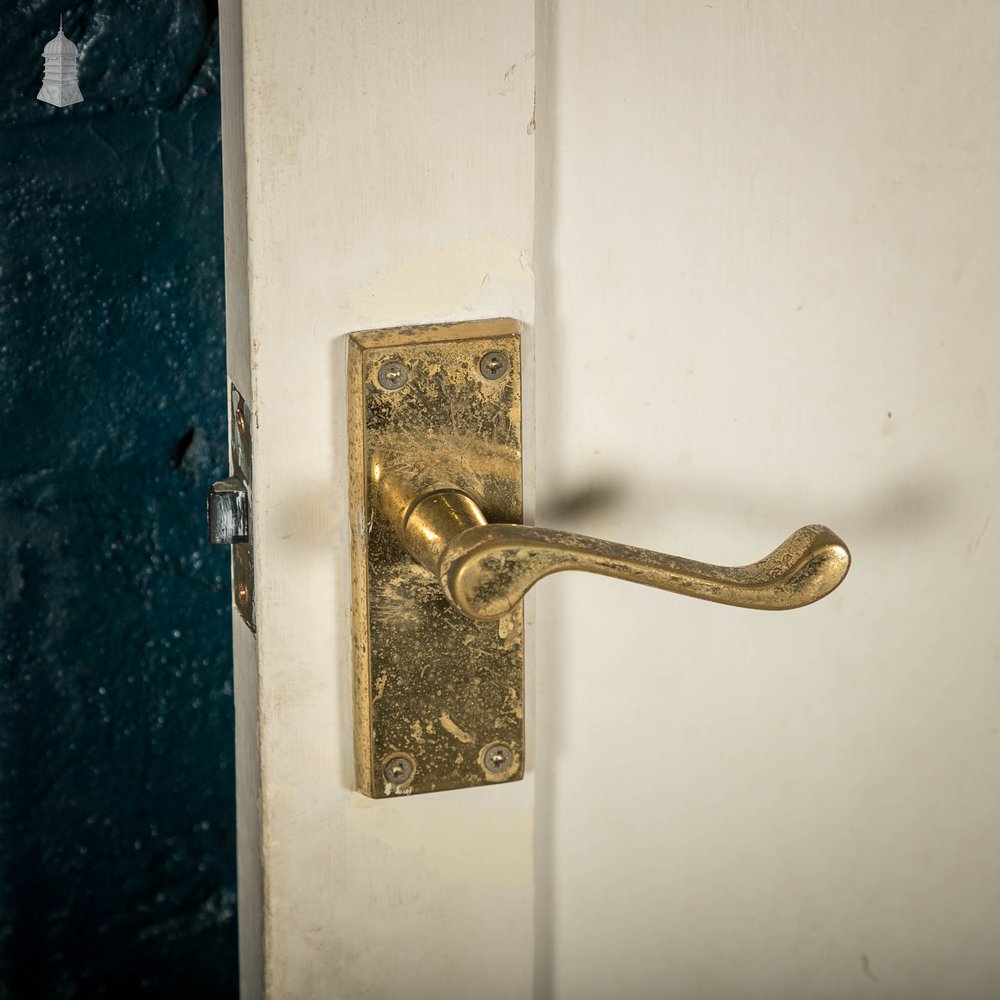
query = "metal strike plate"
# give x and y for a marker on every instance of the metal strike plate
(241, 458)
(439, 698)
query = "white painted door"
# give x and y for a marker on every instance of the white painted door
(759, 244)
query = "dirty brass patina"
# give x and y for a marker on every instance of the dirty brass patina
(439, 696)
(442, 561)
(485, 569)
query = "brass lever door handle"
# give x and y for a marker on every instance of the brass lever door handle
(486, 569)
(441, 560)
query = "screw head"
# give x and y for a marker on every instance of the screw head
(498, 758)
(494, 365)
(243, 592)
(398, 770)
(393, 374)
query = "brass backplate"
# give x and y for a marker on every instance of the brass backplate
(434, 692)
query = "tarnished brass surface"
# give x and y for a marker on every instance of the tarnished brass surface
(436, 692)
(441, 560)
(486, 569)
(433, 522)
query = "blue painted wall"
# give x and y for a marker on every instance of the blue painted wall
(117, 817)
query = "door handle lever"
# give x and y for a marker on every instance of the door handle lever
(485, 569)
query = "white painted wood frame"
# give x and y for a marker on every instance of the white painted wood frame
(378, 166)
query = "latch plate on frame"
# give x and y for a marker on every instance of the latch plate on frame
(229, 514)
(242, 461)
(439, 697)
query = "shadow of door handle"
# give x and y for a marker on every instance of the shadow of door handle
(485, 569)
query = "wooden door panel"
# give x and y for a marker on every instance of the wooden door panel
(766, 282)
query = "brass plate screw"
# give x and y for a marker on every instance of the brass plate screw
(494, 365)
(498, 758)
(393, 374)
(398, 770)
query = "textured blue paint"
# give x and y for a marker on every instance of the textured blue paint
(117, 819)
